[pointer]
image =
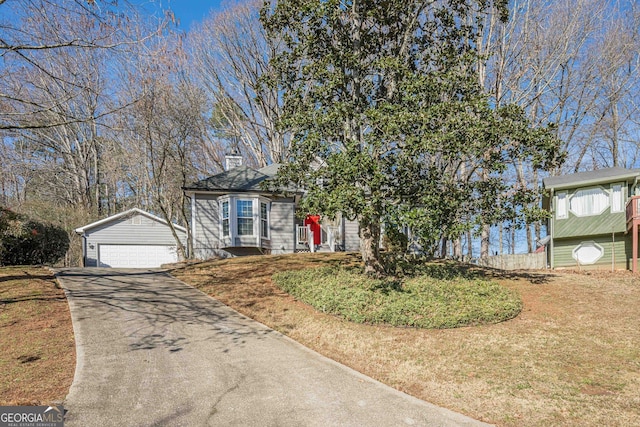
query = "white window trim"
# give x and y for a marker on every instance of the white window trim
(256, 200)
(621, 204)
(252, 217)
(262, 201)
(590, 214)
(592, 243)
(222, 218)
(562, 214)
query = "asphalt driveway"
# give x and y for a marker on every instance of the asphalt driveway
(153, 351)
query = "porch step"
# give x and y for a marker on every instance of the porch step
(321, 248)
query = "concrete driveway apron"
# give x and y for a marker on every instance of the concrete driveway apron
(153, 351)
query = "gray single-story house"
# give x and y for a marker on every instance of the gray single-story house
(236, 213)
(131, 239)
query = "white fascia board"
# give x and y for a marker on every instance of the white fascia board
(82, 230)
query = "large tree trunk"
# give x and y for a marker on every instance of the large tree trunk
(444, 248)
(457, 248)
(369, 229)
(484, 240)
(182, 254)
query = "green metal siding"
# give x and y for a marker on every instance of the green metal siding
(605, 223)
(563, 251)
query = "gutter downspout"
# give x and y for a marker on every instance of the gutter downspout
(634, 190)
(551, 229)
(84, 250)
(192, 229)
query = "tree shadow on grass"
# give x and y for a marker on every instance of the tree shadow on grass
(388, 286)
(532, 276)
(27, 276)
(18, 288)
(32, 297)
(450, 270)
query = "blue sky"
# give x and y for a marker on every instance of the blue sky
(187, 11)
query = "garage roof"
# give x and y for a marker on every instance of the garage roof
(126, 214)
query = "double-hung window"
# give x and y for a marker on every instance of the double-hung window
(225, 218)
(617, 202)
(244, 216)
(264, 220)
(244, 213)
(561, 209)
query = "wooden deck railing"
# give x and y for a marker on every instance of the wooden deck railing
(633, 210)
(633, 224)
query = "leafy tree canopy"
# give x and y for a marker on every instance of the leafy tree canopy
(390, 123)
(27, 242)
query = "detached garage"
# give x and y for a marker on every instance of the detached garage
(131, 239)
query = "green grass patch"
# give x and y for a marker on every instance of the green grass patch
(426, 300)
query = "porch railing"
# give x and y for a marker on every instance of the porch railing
(633, 210)
(304, 236)
(330, 236)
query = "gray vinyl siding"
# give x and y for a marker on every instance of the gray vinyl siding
(351, 237)
(206, 228)
(126, 231)
(283, 228)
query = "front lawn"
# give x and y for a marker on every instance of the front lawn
(422, 301)
(37, 357)
(570, 358)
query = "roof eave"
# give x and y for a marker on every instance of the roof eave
(593, 181)
(243, 191)
(82, 230)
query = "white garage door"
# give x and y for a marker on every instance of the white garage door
(136, 256)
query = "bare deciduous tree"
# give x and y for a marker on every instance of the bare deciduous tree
(32, 32)
(160, 136)
(229, 55)
(572, 63)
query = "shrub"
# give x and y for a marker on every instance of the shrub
(27, 242)
(421, 301)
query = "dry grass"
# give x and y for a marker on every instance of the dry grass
(37, 360)
(572, 357)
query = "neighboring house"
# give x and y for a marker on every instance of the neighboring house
(592, 215)
(131, 239)
(236, 212)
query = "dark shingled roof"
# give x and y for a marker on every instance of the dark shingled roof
(241, 178)
(590, 177)
(270, 170)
